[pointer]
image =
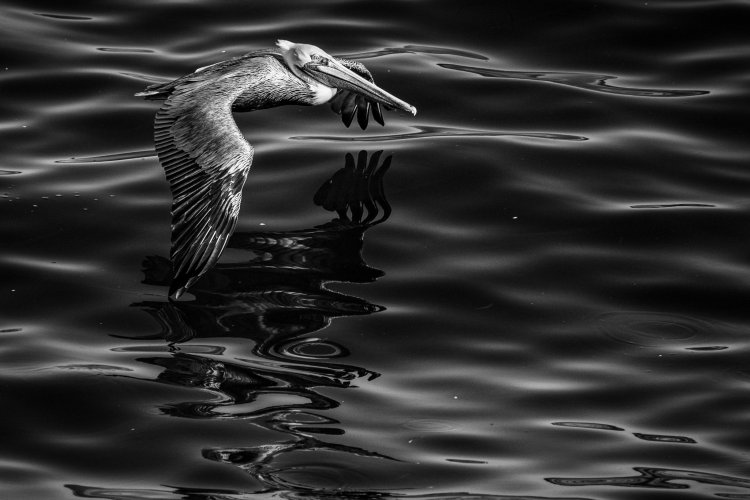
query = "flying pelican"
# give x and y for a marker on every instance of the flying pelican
(204, 154)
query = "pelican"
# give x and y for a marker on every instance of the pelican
(206, 157)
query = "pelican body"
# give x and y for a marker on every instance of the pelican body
(204, 154)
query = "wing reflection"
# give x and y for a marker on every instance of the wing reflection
(281, 289)
(276, 298)
(244, 387)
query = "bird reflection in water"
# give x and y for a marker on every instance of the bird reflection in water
(276, 299)
(281, 291)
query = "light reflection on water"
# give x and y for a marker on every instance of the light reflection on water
(545, 297)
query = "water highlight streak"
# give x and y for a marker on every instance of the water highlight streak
(596, 83)
(426, 131)
(414, 49)
(131, 155)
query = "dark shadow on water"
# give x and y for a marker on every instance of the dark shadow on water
(276, 297)
(279, 291)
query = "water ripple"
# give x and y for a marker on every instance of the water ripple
(64, 17)
(425, 131)
(649, 477)
(664, 439)
(96, 368)
(305, 493)
(431, 425)
(708, 348)
(652, 329)
(313, 348)
(675, 205)
(190, 349)
(596, 83)
(588, 425)
(414, 49)
(131, 155)
(126, 50)
(466, 461)
(49, 266)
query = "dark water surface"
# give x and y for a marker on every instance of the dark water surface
(545, 295)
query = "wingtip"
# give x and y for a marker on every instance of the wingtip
(176, 291)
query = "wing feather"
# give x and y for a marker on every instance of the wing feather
(206, 160)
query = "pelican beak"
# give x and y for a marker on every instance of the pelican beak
(336, 75)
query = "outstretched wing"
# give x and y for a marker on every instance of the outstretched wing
(206, 160)
(348, 103)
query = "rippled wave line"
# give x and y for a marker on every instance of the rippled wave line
(64, 17)
(180, 493)
(427, 131)
(126, 50)
(596, 83)
(663, 438)
(675, 205)
(423, 132)
(414, 49)
(589, 425)
(650, 477)
(131, 155)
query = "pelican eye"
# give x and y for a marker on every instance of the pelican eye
(321, 60)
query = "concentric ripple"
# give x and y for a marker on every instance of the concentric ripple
(654, 329)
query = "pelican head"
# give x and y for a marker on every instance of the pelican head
(326, 75)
